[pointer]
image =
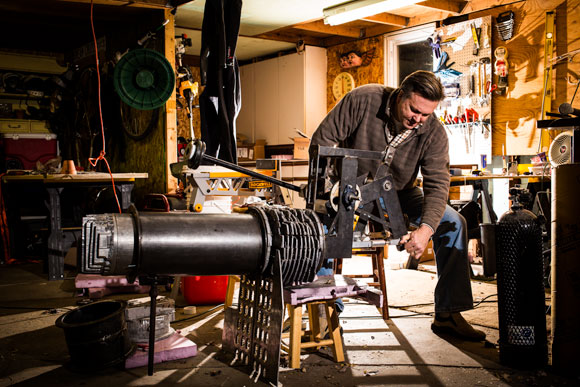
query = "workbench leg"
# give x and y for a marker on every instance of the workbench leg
(56, 237)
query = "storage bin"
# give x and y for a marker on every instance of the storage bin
(23, 150)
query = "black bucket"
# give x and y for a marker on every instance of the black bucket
(96, 335)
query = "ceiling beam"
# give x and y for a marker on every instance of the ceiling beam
(430, 18)
(380, 29)
(389, 19)
(283, 35)
(156, 4)
(335, 40)
(319, 26)
(479, 5)
(470, 7)
(455, 7)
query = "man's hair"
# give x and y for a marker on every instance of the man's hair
(424, 83)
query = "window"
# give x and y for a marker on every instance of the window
(407, 51)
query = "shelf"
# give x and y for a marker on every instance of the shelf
(21, 96)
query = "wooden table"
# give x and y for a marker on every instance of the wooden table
(466, 179)
(58, 244)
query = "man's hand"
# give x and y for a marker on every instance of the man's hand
(416, 242)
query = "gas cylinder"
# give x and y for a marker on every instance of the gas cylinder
(520, 287)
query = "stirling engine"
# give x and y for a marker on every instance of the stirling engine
(153, 244)
(271, 246)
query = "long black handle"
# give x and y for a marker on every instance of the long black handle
(249, 172)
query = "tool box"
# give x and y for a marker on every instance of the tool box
(23, 150)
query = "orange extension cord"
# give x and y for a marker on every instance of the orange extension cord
(4, 230)
(95, 161)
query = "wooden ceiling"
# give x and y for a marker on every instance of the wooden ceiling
(316, 33)
(57, 25)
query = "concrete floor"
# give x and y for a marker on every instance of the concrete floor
(402, 351)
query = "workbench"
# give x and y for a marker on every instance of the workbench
(481, 185)
(58, 243)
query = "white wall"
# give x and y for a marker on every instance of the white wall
(282, 95)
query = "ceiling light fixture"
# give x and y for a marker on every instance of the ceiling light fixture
(358, 9)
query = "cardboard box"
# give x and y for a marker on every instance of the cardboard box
(245, 152)
(301, 145)
(461, 192)
(260, 149)
(428, 254)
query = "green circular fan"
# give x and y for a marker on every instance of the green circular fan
(144, 79)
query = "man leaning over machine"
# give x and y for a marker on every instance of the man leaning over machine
(401, 123)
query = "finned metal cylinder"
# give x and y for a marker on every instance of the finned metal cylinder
(156, 243)
(166, 243)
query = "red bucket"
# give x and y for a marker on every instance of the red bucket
(205, 290)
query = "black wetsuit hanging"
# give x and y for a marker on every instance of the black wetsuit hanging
(221, 99)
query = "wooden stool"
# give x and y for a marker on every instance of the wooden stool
(232, 281)
(296, 334)
(378, 275)
(324, 291)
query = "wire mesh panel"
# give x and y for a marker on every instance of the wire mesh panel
(252, 332)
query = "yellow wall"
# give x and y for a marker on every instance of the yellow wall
(515, 115)
(371, 49)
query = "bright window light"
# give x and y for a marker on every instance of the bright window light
(358, 9)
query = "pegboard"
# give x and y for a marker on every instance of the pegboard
(467, 77)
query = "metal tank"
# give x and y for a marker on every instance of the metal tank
(520, 287)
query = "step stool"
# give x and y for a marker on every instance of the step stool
(377, 254)
(323, 291)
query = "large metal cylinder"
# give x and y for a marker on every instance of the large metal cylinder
(520, 287)
(156, 243)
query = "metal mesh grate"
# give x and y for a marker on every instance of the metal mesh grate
(294, 246)
(253, 331)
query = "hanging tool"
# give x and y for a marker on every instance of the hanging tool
(471, 115)
(187, 89)
(501, 69)
(484, 35)
(435, 43)
(452, 90)
(548, 53)
(442, 63)
(490, 87)
(505, 25)
(448, 41)
(475, 32)
(486, 68)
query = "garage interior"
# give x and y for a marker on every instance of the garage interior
(120, 186)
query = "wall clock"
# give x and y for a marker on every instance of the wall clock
(342, 84)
